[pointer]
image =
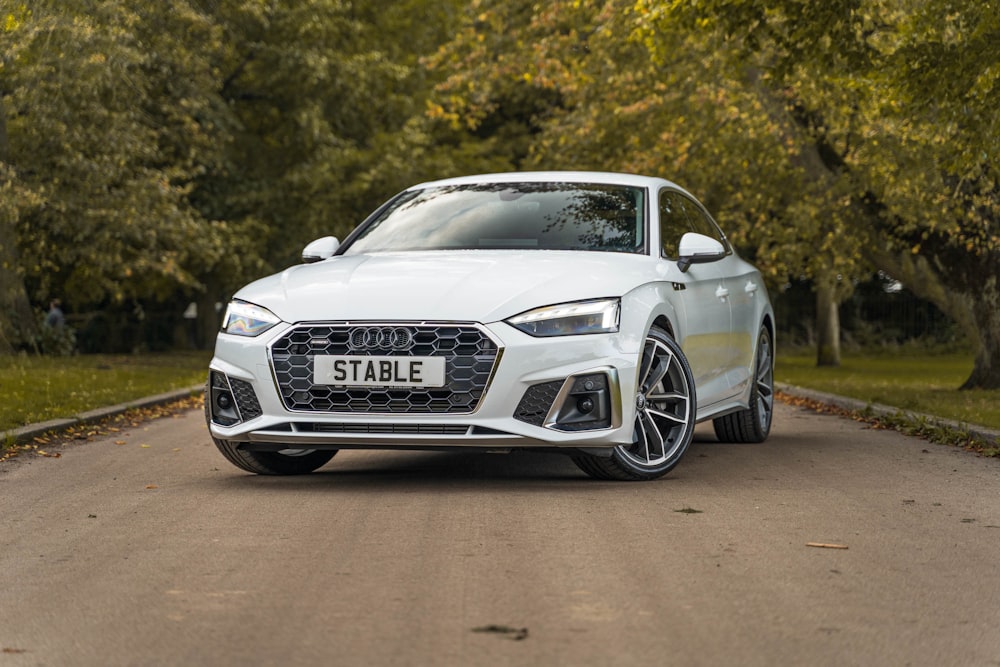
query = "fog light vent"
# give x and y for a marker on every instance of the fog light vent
(231, 401)
(246, 399)
(586, 406)
(536, 402)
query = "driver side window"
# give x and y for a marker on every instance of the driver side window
(673, 224)
(680, 215)
(700, 222)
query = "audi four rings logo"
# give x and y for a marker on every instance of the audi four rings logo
(381, 338)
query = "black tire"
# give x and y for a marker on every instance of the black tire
(300, 462)
(665, 417)
(754, 423)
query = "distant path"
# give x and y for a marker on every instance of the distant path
(156, 551)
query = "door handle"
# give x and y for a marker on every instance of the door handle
(722, 292)
(751, 287)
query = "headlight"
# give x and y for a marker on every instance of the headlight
(246, 319)
(570, 319)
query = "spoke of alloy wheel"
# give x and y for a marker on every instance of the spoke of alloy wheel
(667, 416)
(765, 401)
(648, 359)
(675, 428)
(674, 396)
(642, 444)
(765, 389)
(764, 377)
(661, 367)
(650, 441)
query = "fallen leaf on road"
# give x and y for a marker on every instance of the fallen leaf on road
(826, 545)
(516, 634)
(152, 486)
(119, 442)
(145, 446)
(689, 510)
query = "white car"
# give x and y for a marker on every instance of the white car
(600, 315)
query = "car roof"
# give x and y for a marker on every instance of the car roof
(602, 177)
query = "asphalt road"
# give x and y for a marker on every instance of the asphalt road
(147, 548)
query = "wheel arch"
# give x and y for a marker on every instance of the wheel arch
(768, 323)
(663, 322)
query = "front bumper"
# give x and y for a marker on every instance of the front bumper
(573, 391)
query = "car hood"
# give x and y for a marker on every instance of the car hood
(478, 286)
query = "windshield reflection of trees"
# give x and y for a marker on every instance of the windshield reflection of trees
(548, 216)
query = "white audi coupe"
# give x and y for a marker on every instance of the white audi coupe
(600, 315)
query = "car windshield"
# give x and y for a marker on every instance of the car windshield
(492, 216)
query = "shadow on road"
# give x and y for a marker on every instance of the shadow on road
(452, 470)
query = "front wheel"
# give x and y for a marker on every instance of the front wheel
(286, 462)
(754, 423)
(665, 409)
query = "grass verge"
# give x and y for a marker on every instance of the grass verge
(909, 381)
(36, 389)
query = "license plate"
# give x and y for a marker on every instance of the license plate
(355, 371)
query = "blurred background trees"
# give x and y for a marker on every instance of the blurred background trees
(158, 154)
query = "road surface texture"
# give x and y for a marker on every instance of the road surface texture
(147, 548)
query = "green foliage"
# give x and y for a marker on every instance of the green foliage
(900, 99)
(826, 136)
(54, 341)
(629, 90)
(174, 151)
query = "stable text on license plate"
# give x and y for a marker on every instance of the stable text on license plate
(355, 371)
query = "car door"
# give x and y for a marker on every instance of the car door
(742, 287)
(706, 327)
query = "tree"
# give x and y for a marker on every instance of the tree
(110, 219)
(627, 89)
(169, 152)
(18, 325)
(918, 141)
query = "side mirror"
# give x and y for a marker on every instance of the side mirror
(698, 249)
(320, 249)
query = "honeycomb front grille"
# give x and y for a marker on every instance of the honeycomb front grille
(469, 354)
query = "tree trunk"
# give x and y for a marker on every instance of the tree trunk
(978, 314)
(986, 312)
(17, 320)
(827, 324)
(916, 274)
(209, 320)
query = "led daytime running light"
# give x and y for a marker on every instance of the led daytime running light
(246, 319)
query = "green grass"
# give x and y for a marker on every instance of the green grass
(909, 380)
(36, 389)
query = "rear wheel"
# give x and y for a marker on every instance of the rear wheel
(754, 423)
(664, 417)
